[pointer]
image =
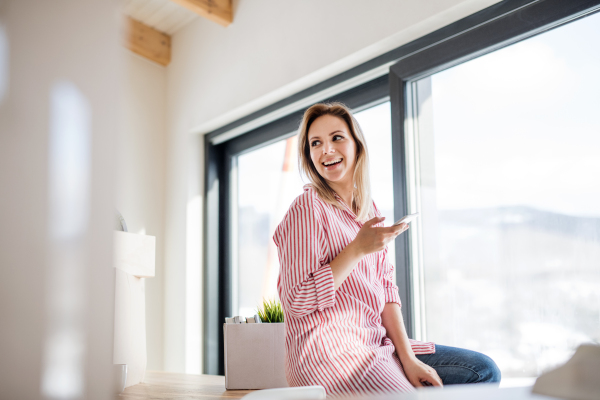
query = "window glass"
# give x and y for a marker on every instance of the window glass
(377, 129)
(508, 152)
(268, 181)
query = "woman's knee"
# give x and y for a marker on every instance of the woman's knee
(488, 370)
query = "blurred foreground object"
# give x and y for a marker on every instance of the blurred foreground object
(59, 120)
(578, 379)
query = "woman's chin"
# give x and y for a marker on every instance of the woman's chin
(334, 177)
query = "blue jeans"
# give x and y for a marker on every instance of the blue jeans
(456, 366)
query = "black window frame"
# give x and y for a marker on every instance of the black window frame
(497, 26)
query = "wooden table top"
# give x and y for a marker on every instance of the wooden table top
(166, 385)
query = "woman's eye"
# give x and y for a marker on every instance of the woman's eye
(338, 137)
(315, 143)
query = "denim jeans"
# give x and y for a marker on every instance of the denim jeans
(456, 366)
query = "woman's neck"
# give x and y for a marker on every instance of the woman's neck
(345, 191)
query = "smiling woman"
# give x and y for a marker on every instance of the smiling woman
(344, 326)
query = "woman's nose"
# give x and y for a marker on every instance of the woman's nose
(328, 148)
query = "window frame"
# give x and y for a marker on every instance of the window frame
(497, 26)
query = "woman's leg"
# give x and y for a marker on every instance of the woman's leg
(455, 365)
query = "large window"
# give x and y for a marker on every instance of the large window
(491, 132)
(507, 178)
(268, 181)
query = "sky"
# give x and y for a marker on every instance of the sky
(521, 126)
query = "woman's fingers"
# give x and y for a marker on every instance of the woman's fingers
(420, 374)
(391, 234)
(435, 378)
(431, 380)
(394, 229)
(397, 230)
(371, 239)
(373, 221)
(403, 227)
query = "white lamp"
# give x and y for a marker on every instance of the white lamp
(134, 260)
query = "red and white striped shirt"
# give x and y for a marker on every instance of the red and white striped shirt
(335, 338)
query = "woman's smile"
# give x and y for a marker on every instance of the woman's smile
(332, 164)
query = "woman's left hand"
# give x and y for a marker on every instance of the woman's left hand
(420, 374)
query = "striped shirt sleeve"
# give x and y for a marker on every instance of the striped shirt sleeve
(305, 280)
(390, 290)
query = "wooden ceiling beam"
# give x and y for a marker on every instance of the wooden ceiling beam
(219, 11)
(147, 42)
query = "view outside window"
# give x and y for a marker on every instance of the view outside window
(268, 182)
(509, 188)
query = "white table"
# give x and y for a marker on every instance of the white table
(468, 392)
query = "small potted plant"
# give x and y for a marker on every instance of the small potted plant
(255, 352)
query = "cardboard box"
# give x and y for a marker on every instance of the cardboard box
(254, 356)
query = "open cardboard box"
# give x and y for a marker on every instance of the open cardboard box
(254, 356)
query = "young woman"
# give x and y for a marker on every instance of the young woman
(344, 327)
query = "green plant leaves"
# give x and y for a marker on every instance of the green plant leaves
(271, 311)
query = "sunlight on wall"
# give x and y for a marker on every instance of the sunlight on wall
(69, 177)
(193, 281)
(4, 61)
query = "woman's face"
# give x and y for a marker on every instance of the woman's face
(332, 149)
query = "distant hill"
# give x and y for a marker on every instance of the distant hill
(584, 227)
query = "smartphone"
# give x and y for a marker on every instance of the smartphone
(406, 219)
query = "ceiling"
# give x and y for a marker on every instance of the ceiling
(162, 15)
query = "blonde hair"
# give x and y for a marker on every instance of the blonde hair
(361, 196)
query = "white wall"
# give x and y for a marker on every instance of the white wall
(141, 177)
(273, 49)
(58, 119)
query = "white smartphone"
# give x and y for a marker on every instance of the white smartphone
(407, 219)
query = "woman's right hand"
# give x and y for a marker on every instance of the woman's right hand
(372, 239)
